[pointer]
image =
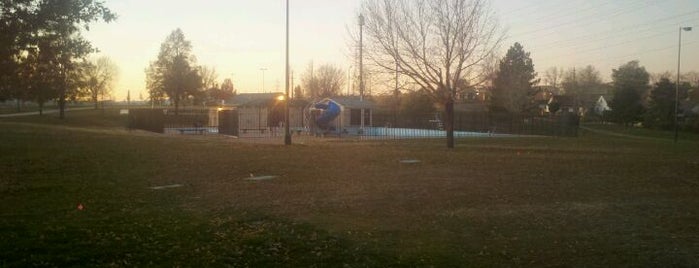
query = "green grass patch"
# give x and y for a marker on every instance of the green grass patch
(596, 200)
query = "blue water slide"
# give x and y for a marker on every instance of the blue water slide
(330, 111)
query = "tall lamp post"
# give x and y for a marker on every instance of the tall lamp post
(287, 134)
(361, 70)
(677, 83)
(263, 69)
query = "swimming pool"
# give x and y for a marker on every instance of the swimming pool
(423, 133)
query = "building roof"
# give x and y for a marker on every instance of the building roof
(563, 100)
(354, 102)
(253, 99)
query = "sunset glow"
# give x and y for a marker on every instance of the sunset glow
(239, 37)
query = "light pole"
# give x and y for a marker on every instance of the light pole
(361, 71)
(287, 134)
(263, 78)
(677, 83)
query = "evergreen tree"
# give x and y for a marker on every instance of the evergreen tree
(513, 88)
(661, 111)
(630, 83)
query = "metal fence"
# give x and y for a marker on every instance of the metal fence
(485, 123)
(385, 125)
(196, 121)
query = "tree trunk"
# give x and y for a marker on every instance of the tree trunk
(177, 102)
(62, 94)
(177, 106)
(62, 106)
(449, 123)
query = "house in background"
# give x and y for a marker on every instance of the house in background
(601, 106)
(473, 94)
(593, 101)
(560, 103)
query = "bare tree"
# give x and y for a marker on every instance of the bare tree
(433, 43)
(692, 77)
(579, 81)
(99, 78)
(208, 77)
(657, 77)
(310, 84)
(553, 77)
(330, 80)
(325, 81)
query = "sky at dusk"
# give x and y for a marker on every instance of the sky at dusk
(239, 37)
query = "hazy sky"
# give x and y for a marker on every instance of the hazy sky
(239, 37)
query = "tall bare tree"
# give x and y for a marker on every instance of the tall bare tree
(330, 80)
(553, 77)
(208, 77)
(578, 81)
(433, 43)
(98, 78)
(325, 81)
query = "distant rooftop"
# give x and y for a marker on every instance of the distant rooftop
(253, 99)
(353, 102)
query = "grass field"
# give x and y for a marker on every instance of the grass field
(78, 192)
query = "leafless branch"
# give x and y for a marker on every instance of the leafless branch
(437, 44)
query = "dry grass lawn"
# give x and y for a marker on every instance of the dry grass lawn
(595, 200)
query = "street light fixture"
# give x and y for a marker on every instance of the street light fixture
(677, 83)
(361, 70)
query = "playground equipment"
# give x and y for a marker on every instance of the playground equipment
(327, 110)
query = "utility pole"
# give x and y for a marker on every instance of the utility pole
(287, 134)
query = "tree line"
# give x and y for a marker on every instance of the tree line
(635, 98)
(444, 49)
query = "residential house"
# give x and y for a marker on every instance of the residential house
(601, 106)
